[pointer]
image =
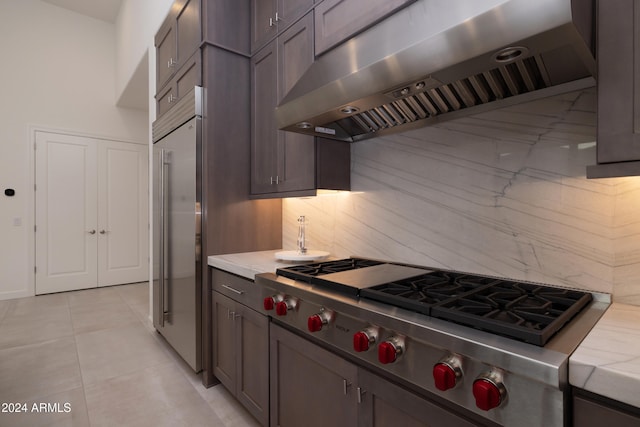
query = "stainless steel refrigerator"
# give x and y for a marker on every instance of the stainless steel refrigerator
(177, 281)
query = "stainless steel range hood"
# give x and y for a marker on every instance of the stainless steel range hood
(440, 59)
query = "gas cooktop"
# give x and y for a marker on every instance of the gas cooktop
(528, 312)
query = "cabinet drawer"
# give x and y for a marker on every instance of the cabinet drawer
(237, 288)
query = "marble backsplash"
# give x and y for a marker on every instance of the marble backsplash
(501, 193)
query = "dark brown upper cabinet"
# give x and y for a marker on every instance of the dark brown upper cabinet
(286, 164)
(177, 39)
(338, 20)
(618, 51)
(270, 17)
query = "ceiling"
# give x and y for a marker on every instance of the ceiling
(104, 10)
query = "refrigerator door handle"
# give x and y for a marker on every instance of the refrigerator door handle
(162, 312)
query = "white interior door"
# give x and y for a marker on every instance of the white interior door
(91, 212)
(123, 219)
(66, 213)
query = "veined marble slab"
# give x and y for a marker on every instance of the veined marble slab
(501, 193)
(607, 362)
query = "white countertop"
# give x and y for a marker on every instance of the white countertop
(248, 264)
(607, 362)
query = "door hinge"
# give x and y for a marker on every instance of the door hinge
(35, 228)
(35, 270)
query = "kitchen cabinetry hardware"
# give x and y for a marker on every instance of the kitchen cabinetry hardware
(235, 291)
(91, 231)
(360, 393)
(104, 231)
(345, 386)
(171, 63)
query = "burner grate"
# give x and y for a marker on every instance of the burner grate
(422, 292)
(307, 272)
(528, 312)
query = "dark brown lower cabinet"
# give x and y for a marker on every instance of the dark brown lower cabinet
(386, 404)
(311, 386)
(591, 410)
(241, 354)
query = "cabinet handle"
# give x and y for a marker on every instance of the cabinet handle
(271, 23)
(361, 392)
(276, 181)
(171, 98)
(345, 386)
(233, 290)
(278, 18)
(171, 63)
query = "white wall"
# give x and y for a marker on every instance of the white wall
(137, 23)
(59, 73)
(503, 193)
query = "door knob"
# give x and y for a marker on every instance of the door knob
(103, 232)
(92, 232)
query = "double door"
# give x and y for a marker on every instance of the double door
(91, 212)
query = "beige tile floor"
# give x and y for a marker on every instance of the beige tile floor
(93, 358)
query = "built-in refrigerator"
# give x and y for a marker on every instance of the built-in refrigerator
(177, 227)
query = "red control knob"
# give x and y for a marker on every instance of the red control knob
(314, 323)
(388, 352)
(269, 303)
(281, 308)
(361, 341)
(488, 395)
(444, 376)
(317, 321)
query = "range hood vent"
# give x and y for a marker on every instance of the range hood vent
(350, 103)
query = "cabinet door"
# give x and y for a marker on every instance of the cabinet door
(263, 25)
(296, 152)
(618, 81)
(188, 30)
(253, 362)
(224, 341)
(290, 10)
(164, 99)
(387, 404)
(338, 20)
(166, 60)
(263, 129)
(309, 385)
(594, 413)
(188, 76)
